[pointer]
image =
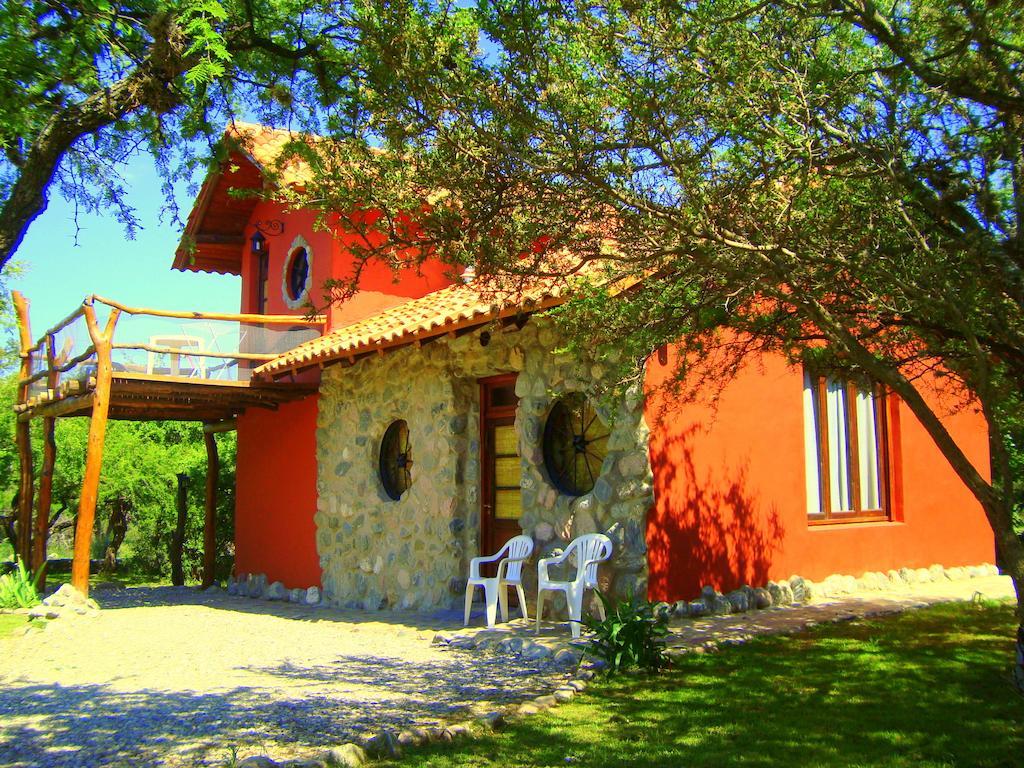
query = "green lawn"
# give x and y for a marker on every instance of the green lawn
(928, 688)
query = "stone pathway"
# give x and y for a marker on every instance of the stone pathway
(174, 677)
(689, 635)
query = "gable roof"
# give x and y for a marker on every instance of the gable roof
(454, 309)
(214, 236)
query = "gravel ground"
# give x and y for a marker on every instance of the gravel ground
(174, 677)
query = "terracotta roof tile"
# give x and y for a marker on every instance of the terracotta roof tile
(264, 145)
(456, 306)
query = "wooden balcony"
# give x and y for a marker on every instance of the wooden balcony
(193, 367)
(109, 361)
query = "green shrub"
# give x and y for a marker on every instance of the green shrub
(631, 635)
(18, 588)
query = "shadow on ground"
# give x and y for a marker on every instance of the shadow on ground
(929, 688)
(94, 725)
(160, 597)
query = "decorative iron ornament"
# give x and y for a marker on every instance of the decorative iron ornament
(575, 444)
(270, 227)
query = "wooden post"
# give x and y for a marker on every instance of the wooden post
(39, 539)
(210, 520)
(178, 538)
(23, 435)
(94, 448)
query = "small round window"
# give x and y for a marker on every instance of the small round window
(575, 444)
(296, 273)
(396, 460)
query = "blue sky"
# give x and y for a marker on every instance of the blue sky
(58, 273)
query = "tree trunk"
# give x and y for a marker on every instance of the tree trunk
(178, 539)
(995, 495)
(117, 529)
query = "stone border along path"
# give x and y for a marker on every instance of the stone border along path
(517, 641)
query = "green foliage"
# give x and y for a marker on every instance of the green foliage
(630, 636)
(18, 588)
(85, 85)
(927, 689)
(831, 181)
(140, 464)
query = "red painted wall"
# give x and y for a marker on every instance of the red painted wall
(730, 497)
(276, 494)
(332, 258)
(296, 223)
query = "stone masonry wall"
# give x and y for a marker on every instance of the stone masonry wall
(414, 553)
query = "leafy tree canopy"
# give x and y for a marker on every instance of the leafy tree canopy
(83, 85)
(837, 181)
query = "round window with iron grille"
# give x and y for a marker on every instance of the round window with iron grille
(575, 444)
(396, 460)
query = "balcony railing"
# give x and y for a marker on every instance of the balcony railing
(163, 344)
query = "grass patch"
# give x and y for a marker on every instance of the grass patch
(126, 575)
(927, 688)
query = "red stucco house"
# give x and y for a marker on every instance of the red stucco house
(444, 422)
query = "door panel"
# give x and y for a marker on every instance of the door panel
(500, 470)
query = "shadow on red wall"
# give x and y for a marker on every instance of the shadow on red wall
(707, 529)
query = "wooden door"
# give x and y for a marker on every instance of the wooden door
(500, 503)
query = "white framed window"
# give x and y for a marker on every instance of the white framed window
(845, 444)
(297, 275)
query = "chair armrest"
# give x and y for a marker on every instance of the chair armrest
(476, 562)
(544, 562)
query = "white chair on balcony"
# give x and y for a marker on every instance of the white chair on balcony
(189, 346)
(590, 549)
(511, 557)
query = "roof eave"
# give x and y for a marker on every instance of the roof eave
(382, 346)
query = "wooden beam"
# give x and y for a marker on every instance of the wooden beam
(178, 537)
(42, 531)
(230, 317)
(210, 518)
(65, 406)
(23, 435)
(94, 447)
(192, 352)
(216, 427)
(45, 476)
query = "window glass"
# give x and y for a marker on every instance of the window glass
(844, 448)
(575, 445)
(298, 272)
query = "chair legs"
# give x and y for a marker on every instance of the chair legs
(522, 601)
(540, 607)
(503, 601)
(574, 599)
(495, 596)
(469, 604)
(491, 602)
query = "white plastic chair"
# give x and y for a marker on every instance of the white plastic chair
(516, 551)
(590, 549)
(189, 346)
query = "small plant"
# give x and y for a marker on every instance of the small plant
(631, 635)
(18, 589)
